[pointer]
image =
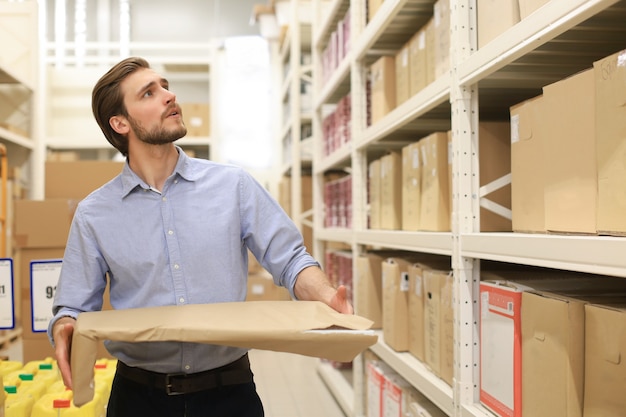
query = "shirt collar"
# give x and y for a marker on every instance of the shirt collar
(184, 169)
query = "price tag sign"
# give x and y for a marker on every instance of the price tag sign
(44, 276)
(7, 299)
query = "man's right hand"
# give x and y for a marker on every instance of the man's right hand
(62, 333)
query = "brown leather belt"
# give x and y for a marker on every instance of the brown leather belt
(237, 372)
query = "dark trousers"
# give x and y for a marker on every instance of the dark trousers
(131, 399)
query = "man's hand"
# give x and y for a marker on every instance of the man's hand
(312, 284)
(340, 301)
(62, 333)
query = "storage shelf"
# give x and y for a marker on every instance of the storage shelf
(340, 158)
(334, 235)
(336, 11)
(391, 27)
(590, 254)
(338, 85)
(417, 374)
(430, 242)
(14, 138)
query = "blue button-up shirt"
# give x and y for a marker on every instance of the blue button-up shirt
(185, 244)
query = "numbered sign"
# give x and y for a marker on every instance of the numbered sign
(7, 299)
(44, 276)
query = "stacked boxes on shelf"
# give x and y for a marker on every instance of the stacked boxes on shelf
(337, 48)
(336, 127)
(338, 202)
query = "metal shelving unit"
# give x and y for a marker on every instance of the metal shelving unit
(563, 38)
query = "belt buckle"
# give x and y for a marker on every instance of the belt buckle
(168, 384)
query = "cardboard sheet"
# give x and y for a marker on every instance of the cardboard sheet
(285, 326)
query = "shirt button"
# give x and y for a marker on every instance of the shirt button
(170, 232)
(181, 300)
(164, 199)
(187, 367)
(176, 266)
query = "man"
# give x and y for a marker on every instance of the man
(173, 230)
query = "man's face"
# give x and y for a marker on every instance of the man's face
(153, 114)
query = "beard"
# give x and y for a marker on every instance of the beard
(157, 135)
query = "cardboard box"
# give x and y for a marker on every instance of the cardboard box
(77, 179)
(495, 162)
(372, 8)
(197, 119)
(383, 86)
(411, 186)
(421, 58)
(528, 165)
(261, 287)
(396, 303)
(495, 17)
(375, 387)
(527, 7)
(442, 29)
(610, 76)
(435, 204)
(571, 185)
(391, 191)
(369, 299)
(417, 302)
(438, 323)
(42, 223)
(374, 195)
(403, 74)
(396, 395)
(605, 369)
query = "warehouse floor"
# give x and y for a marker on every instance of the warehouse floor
(288, 384)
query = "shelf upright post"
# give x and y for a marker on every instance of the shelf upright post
(465, 208)
(358, 124)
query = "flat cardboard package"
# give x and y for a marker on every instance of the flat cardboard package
(305, 327)
(76, 179)
(528, 162)
(435, 202)
(571, 185)
(610, 76)
(494, 17)
(605, 369)
(411, 186)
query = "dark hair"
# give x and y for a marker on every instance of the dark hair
(107, 99)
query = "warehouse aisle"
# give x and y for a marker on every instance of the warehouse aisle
(288, 385)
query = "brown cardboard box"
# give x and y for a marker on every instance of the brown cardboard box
(605, 368)
(421, 58)
(374, 187)
(42, 223)
(372, 8)
(383, 85)
(553, 354)
(396, 303)
(261, 287)
(411, 186)
(417, 299)
(528, 165)
(571, 176)
(435, 204)
(495, 162)
(610, 75)
(369, 299)
(495, 17)
(438, 323)
(391, 191)
(77, 179)
(197, 119)
(403, 74)
(441, 20)
(527, 7)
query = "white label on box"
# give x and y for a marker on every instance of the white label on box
(196, 121)
(421, 40)
(44, 276)
(415, 158)
(621, 59)
(515, 128)
(7, 310)
(257, 289)
(418, 285)
(404, 281)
